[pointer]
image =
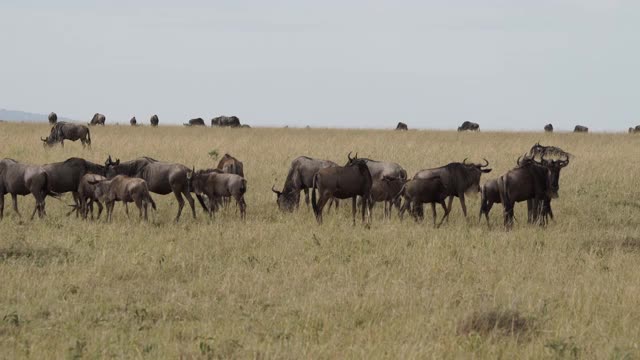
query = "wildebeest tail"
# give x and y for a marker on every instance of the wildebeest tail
(243, 186)
(314, 203)
(149, 198)
(504, 194)
(400, 193)
(89, 137)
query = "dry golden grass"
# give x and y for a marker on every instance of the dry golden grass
(280, 286)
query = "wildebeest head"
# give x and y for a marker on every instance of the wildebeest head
(554, 167)
(355, 161)
(110, 167)
(474, 171)
(286, 201)
(48, 141)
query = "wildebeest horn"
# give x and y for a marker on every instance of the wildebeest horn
(349, 156)
(464, 161)
(486, 163)
(45, 140)
(518, 161)
(273, 188)
(356, 156)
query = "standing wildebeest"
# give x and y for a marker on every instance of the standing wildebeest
(469, 126)
(635, 130)
(458, 179)
(133, 121)
(216, 186)
(23, 179)
(195, 122)
(62, 131)
(87, 194)
(154, 120)
(489, 195)
(98, 119)
(231, 165)
(161, 177)
(299, 178)
(580, 129)
(402, 126)
(548, 128)
(125, 189)
(421, 191)
(53, 118)
(343, 182)
(225, 121)
(386, 191)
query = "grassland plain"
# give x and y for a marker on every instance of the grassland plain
(280, 286)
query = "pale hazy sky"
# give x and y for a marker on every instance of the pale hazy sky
(432, 64)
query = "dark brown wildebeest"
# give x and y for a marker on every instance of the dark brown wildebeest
(217, 186)
(133, 121)
(424, 191)
(87, 195)
(635, 130)
(469, 126)
(195, 122)
(53, 118)
(225, 121)
(154, 120)
(62, 131)
(489, 195)
(125, 189)
(548, 128)
(23, 179)
(531, 180)
(539, 152)
(162, 178)
(402, 126)
(98, 119)
(381, 169)
(458, 179)
(299, 178)
(580, 129)
(343, 182)
(386, 191)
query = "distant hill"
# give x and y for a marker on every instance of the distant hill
(22, 116)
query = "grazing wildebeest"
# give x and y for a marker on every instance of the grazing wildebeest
(215, 186)
(62, 131)
(548, 128)
(225, 121)
(161, 177)
(635, 130)
(98, 119)
(195, 122)
(133, 121)
(531, 180)
(469, 126)
(580, 129)
(343, 182)
(402, 126)
(23, 179)
(386, 191)
(299, 178)
(154, 120)
(126, 189)
(424, 191)
(458, 179)
(53, 118)
(87, 195)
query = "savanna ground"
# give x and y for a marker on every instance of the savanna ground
(280, 286)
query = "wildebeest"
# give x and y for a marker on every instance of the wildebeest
(548, 128)
(402, 126)
(469, 126)
(634, 130)
(98, 119)
(422, 191)
(216, 186)
(538, 151)
(154, 120)
(231, 165)
(343, 182)
(386, 191)
(458, 179)
(87, 195)
(133, 121)
(23, 179)
(126, 189)
(195, 122)
(489, 195)
(299, 178)
(225, 121)
(580, 129)
(62, 131)
(161, 177)
(53, 118)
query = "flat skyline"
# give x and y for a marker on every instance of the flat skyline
(434, 64)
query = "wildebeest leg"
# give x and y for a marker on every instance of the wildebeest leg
(138, 201)
(530, 206)
(306, 198)
(446, 211)
(365, 201)
(405, 206)
(212, 206)
(243, 207)
(1, 206)
(486, 213)
(99, 209)
(14, 199)
(464, 206)
(353, 210)
(433, 213)
(202, 203)
(449, 205)
(321, 203)
(178, 196)
(192, 203)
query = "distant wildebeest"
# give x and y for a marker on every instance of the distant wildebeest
(246, 126)
(469, 126)
(402, 126)
(580, 129)
(217, 186)
(635, 130)
(424, 191)
(53, 118)
(62, 131)
(126, 189)
(23, 179)
(161, 177)
(458, 179)
(531, 180)
(386, 191)
(548, 128)
(343, 182)
(299, 178)
(195, 122)
(87, 195)
(154, 120)
(98, 119)
(133, 121)
(225, 121)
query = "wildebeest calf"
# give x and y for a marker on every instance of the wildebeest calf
(422, 191)
(125, 189)
(216, 186)
(385, 191)
(87, 195)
